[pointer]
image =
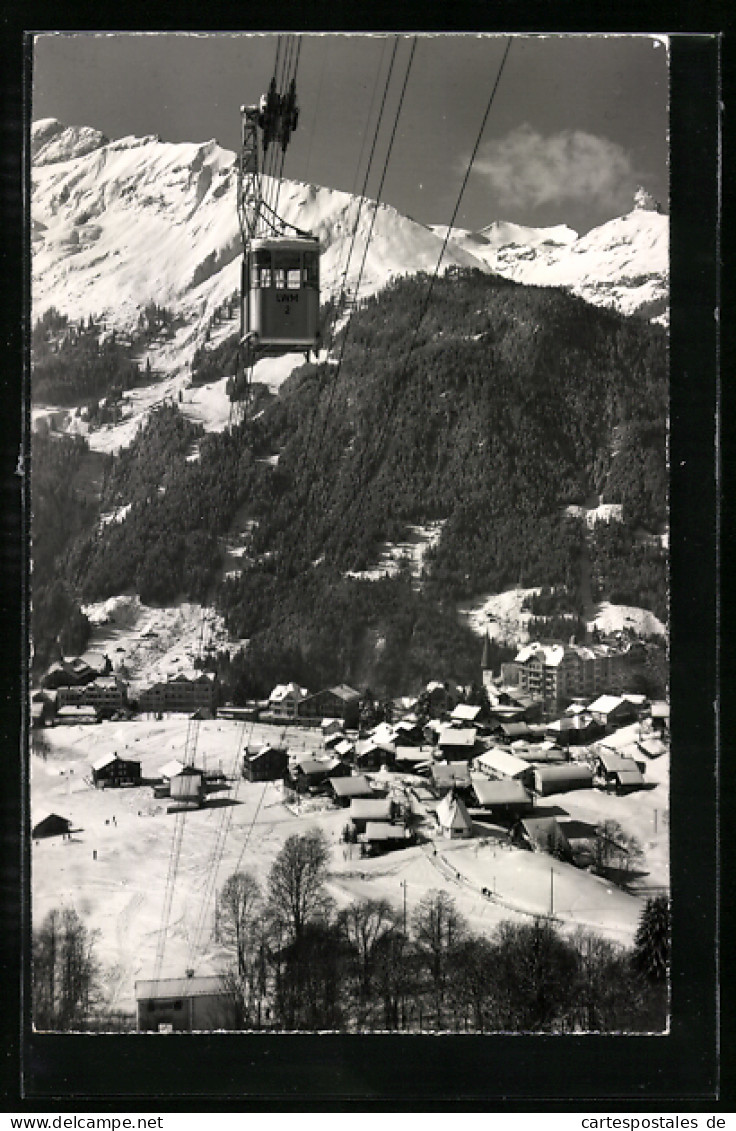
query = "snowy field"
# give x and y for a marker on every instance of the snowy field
(114, 869)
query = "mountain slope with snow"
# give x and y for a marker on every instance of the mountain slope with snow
(121, 224)
(118, 224)
(624, 263)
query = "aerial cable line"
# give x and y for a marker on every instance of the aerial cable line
(361, 202)
(289, 81)
(190, 746)
(219, 845)
(346, 332)
(388, 421)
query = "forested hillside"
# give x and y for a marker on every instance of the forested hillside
(492, 406)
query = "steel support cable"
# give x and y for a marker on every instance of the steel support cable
(346, 332)
(361, 202)
(190, 746)
(290, 77)
(389, 415)
(219, 844)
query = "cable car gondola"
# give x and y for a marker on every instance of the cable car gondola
(280, 273)
(280, 295)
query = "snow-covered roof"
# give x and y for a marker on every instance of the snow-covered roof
(613, 762)
(198, 986)
(382, 830)
(456, 736)
(491, 793)
(497, 761)
(357, 786)
(451, 773)
(287, 690)
(376, 809)
(465, 712)
(171, 768)
(604, 704)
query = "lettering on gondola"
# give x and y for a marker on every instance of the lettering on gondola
(287, 298)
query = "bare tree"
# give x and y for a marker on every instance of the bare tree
(364, 925)
(65, 972)
(239, 909)
(242, 928)
(296, 883)
(438, 928)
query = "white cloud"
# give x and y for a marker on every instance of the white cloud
(526, 169)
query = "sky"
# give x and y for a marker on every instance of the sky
(576, 124)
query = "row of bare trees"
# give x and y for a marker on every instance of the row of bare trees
(299, 963)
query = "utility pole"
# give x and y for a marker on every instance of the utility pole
(551, 893)
(403, 885)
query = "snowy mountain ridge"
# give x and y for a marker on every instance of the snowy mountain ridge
(120, 223)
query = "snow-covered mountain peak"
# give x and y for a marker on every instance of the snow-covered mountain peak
(119, 224)
(644, 201)
(51, 141)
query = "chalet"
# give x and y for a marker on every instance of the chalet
(265, 763)
(617, 771)
(453, 818)
(112, 770)
(577, 730)
(285, 699)
(542, 834)
(187, 1005)
(183, 692)
(560, 779)
(106, 694)
(465, 714)
(413, 759)
(345, 789)
(500, 764)
(309, 773)
(513, 731)
(502, 798)
(49, 824)
(375, 809)
(457, 742)
(341, 702)
(541, 753)
(382, 835)
(611, 711)
(451, 775)
(77, 671)
(373, 755)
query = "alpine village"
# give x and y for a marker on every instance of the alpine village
(348, 674)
